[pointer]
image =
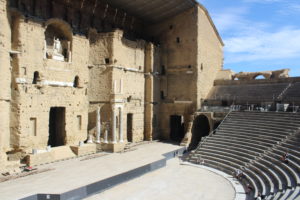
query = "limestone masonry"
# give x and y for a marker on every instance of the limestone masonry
(104, 73)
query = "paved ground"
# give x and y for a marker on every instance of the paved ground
(75, 173)
(173, 182)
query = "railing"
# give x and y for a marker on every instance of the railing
(252, 107)
(203, 139)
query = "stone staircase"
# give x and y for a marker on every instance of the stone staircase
(254, 142)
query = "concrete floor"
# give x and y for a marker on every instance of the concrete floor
(71, 174)
(173, 182)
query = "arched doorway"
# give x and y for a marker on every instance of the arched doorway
(200, 129)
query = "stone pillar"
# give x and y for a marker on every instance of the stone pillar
(98, 126)
(113, 128)
(121, 125)
(149, 97)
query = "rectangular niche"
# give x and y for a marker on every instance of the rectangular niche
(79, 122)
(33, 126)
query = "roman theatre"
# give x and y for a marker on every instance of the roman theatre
(102, 97)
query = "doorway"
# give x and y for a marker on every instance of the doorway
(57, 133)
(176, 128)
(129, 126)
(200, 129)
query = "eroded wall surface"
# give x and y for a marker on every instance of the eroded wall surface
(117, 83)
(5, 76)
(210, 55)
(178, 67)
(191, 57)
(93, 63)
(54, 87)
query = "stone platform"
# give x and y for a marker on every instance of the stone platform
(80, 177)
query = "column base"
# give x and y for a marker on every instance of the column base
(90, 142)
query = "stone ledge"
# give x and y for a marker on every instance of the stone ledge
(118, 147)
(84, 149)
(56, 153)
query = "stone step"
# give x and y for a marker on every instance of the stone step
(283, 175)
(272, 136)
(245, 137)
(265, 122)
(257, 130)
(229, 144)
(274, 176)
(292, 173)
(246, 143)
(255, 127)
(228, 152)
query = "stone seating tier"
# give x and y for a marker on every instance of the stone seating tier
(254, 142)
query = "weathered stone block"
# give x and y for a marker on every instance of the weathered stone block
(85, 149)
(113, 147)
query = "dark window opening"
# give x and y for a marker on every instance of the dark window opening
(162, 95)
(178, 40)
(163, 70)
(189, 66)
(36, 77)
(201, 66)
(224, 103)
(129, 126)
(171, 27)
(107, 61)
(76, 82)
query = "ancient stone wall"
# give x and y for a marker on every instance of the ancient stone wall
(178, 67)
(5, 76)
(210, 55)
(117, 82)
(40, 84)
(89, 61)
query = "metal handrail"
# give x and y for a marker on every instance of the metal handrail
(203, 139)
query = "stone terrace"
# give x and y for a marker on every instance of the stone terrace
(254, 142)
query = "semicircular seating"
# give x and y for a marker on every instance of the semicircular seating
(255, 142)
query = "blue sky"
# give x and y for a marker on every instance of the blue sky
(259, 35)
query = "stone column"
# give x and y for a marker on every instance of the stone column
(121, 125)
(98, 126)
(113, 120)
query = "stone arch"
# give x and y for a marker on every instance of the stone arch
(58, 40)
(259, 76)
(201, 128)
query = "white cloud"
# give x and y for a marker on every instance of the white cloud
(229, 18)
(263, 45)
(248, 41)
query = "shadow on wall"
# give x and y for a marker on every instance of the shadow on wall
(200, 129)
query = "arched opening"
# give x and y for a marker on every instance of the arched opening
(36, 77)
(200, 129)
(176, 128)
(76, 82)
(58, 39)
(259, 77)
